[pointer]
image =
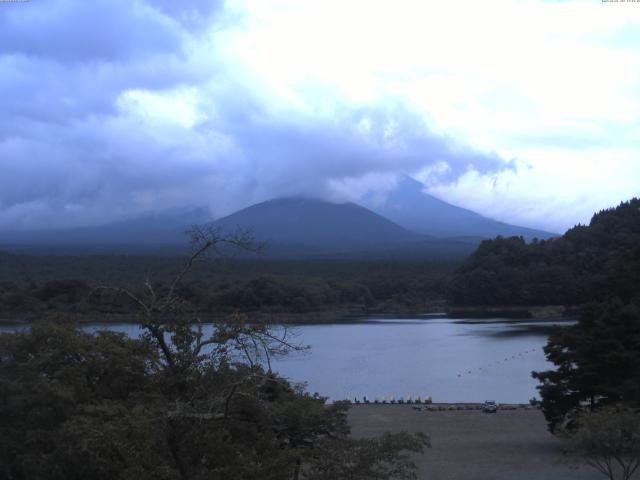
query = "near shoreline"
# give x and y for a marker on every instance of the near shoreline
(472, 445)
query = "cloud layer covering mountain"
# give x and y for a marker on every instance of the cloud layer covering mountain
(112, 108)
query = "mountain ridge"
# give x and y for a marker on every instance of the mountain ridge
(409, 206)
(313, 228)
(294, 227)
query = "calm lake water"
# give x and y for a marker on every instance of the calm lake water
(452, 360)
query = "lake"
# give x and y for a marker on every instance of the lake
(449, 359)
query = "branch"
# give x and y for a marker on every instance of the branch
(158, 333)
(228, 400)
(283, 341)
(147, 284)
(128, 293)
(185, 270)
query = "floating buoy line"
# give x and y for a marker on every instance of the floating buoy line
(410, 399)
(507, 359)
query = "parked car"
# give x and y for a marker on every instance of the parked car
(490, 406)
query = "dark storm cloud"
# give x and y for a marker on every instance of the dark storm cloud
(37, 91)
(100, 30)
(77, 147)
(191, 13)
(65, 60)
(295, 154)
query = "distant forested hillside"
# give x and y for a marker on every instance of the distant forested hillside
(35, 285)
(588, 263)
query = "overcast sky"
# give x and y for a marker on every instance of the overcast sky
(525, 111)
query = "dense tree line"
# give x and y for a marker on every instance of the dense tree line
(597, 360)
(244, 286)
(588, 263)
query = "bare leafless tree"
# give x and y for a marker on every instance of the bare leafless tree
(179, 337)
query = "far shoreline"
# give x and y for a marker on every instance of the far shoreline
(469, 315)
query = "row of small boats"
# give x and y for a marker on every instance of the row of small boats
(409, 399)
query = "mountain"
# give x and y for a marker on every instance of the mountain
(302, 221)
(150, 233)
(291, 227)
(309, 227)
(411, 224)
(408, 206)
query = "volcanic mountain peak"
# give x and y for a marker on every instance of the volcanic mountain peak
(410, 206)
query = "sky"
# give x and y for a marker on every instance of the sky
(526, 111)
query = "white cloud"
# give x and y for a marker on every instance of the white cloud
(115, 107)
(553, 84)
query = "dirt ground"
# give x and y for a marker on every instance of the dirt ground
(475, 445)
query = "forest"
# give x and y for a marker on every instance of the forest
(594, 268)
(588, 263)
(33, 286)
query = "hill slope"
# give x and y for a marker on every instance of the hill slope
(303, 227)
(588, 263)
(145, 234)
(408, 206)
(315, 223)
(295, 227)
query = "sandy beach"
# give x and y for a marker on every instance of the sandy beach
(475, 445)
